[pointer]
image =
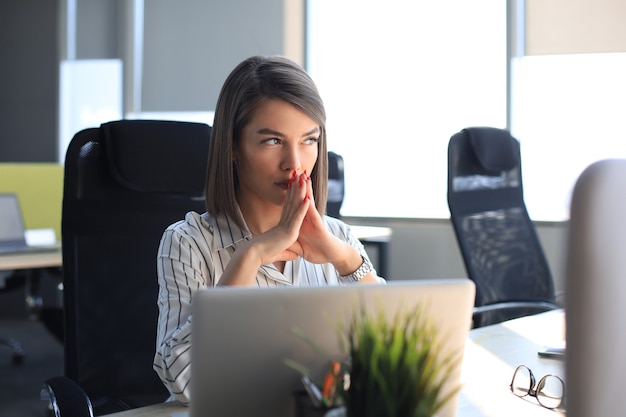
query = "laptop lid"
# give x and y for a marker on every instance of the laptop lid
(11, 222)
(242, 336)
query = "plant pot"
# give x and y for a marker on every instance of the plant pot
(305, 408)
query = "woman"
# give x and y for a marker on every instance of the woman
(265, 196)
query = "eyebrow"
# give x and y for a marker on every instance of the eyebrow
(266, 131)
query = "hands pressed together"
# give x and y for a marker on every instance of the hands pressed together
(300, 232)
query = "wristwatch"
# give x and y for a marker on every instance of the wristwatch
(365, 268)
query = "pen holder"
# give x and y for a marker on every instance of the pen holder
(305, 408)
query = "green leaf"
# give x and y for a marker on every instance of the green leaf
(396, 369)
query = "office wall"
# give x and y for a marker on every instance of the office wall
(28, 80)
(99, 30)
(575, 26)
(190, 46)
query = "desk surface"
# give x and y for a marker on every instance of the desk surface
(371, 232)
(30, 260)
(491, 355)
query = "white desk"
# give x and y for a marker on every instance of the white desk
(33, 263)
(31, 260)
(491, 355)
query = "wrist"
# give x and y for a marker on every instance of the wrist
(347, 260)
(356, 274)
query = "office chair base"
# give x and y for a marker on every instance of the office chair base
(18, 351)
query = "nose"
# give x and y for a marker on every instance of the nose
(291, 159)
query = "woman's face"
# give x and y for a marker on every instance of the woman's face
(279, 139)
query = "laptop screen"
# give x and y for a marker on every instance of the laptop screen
(11, 224)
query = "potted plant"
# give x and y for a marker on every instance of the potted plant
(395, 366)
(394, 369)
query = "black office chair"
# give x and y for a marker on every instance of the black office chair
(497, 239)
(125, 182)
(336, 187)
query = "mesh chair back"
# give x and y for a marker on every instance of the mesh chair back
(125, 182)
(498, 241)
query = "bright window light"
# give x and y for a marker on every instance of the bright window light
(399, 78)
(568, 112)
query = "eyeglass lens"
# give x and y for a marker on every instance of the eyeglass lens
(549, 390)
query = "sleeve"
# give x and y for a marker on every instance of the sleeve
(181, 273)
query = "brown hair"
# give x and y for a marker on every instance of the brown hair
(256, 79)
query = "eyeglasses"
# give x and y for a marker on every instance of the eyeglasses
(549, 392)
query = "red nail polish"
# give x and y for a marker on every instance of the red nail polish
(292, 178)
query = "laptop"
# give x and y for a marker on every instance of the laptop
(12, 231)
(242, 337)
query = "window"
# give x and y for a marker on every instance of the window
(398, 79)
(567, 111)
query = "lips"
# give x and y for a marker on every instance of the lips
(287, 183)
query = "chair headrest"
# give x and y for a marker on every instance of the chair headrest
(336, 178)
(495, 149)
(158, 155)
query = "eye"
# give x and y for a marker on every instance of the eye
(311, 141)
(272, 141)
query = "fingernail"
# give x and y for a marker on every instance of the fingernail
(292, 178)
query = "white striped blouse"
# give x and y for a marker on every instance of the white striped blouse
(192, 255)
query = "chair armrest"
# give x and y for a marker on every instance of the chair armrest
(67, 398)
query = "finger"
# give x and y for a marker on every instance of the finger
(287, 255)
(292, 179)
(295, 207)
(298, 195)
(309, 190)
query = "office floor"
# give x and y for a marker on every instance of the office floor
(20, 385)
